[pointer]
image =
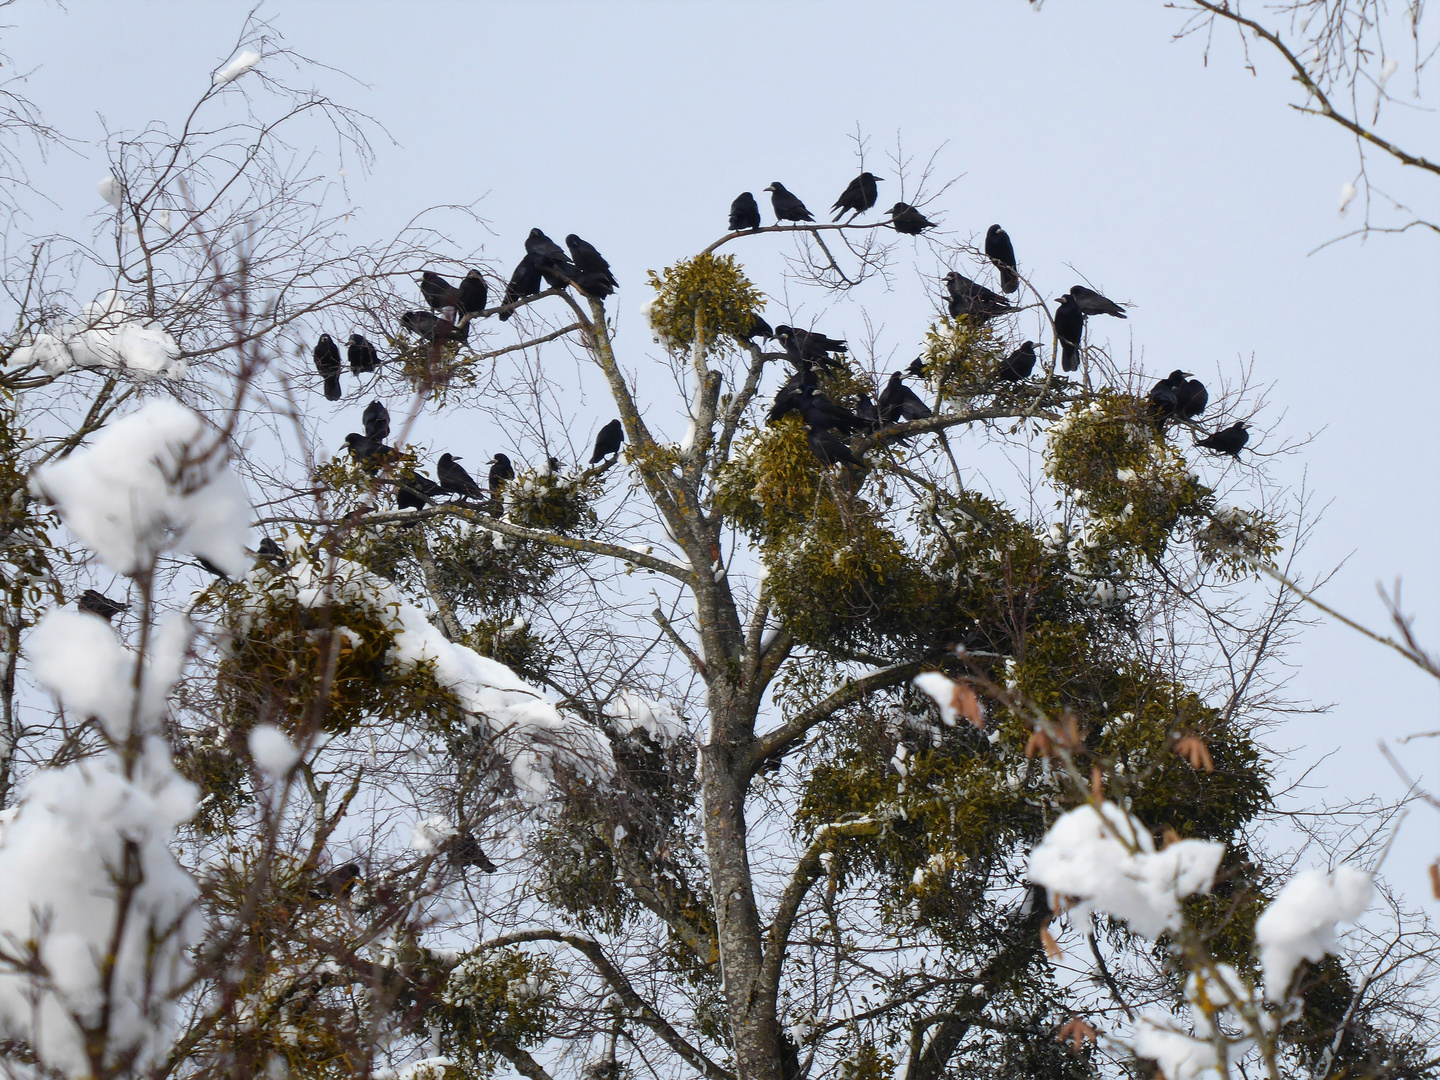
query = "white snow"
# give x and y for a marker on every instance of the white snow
(105, 336)
(1347, 196)
(942, 692)
(430, 834)
(1391, 66)
(1180, 1056)
(1300, 923)
(110, 190)
(633, 712)
(237, 67)
(1104, 860)
(274, 754)
(154, 481)
(525, 724)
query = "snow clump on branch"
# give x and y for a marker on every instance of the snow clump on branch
(108, 337)
(1300, 924)
(1104, 859)
(658, 719)
(154, 481)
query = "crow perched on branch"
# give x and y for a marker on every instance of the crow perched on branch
(372, 455)
(1018, 365)
(433, 328)
(744, 213)
(473, 294)
(608, 441)
(820, 413)
(898, 402)
(500, 471)
(454, 480)
(908, 221)
(808, 345)
(376, 419)
(758, 328)
(787, 398)
(594, 277)
(438, 292)
(327, 362)
(361, 354)
(524, 282)
(1002, 253)
(972, 299)
(1179, 395)
(100, 604)
(415, 490)
(1092, 303)
(859, 196)
(830, 449)
(1069, 329)
(269, 549)
(787, 206)
(1228, 440)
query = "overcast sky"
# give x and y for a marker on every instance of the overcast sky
(1190, 191)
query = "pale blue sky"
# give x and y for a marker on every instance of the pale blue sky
(1192, 192)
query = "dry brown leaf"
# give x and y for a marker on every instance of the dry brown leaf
(964, 702)
(1435, 878)
(1069, 731)
(1193, 750)
(1039, 743)
(1077, 1033)
(1052, 947)
(1168, 836)
(1097, 784)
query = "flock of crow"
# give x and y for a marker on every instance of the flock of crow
(452, 307)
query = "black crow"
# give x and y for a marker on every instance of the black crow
(758, 328)
(1092, 303)
(340, 882)
(787, 206)
(819, 412)
(544, 249)
(327, 363)
(1069, 329)
(377, 422)
(859, 196)
(371, 454)
(465, 850)
(454, 480)
(1229, 440)
(972, 299)
(500, 471)
(269, 549)
(1002, 254)
(1018, 365)
(917, 367)
(811, 345)
(100, 604)
(608, 441)
(830, 449)
(432, 327)
(415, 490)
(361, 355)
(908, 221)
(787, 398)
(473, 293)
(595, 276)
(1165, 394)
(438, 292)
(210, 568)
(744, 213)
(898, 402)
(1191, 397)
(867, 414)
(524, 282)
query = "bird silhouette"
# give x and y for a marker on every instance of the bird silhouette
(543, 248)
(438, 292)
(811, 346)
(100, 604)
(594, 277)
(830, 449)
(454, 480)
(327, 362)
(973, 300)
(432, 327)
(377, 421)
(1092, 303)
(859, 196)
(472, 293)
(500, 471)
(1018, 365)
(820, 413)
(1228, 440)
(415, 490)
(1002, 253)
(867, 413)
(524, 283)
(361, 354)
(1069, 329)
(908, 221)
(787, 398)
(758, 328)
(269, 549)
(744, 213)
(608, 441)
(898, 402)
(787, 207)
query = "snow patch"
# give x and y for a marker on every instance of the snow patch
(632, 712)
(105, 336)
(1300, 924)
(237, 67)
(275, 755)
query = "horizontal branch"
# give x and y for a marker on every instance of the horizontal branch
(505, 528)
(788, 734)
(815, 228)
